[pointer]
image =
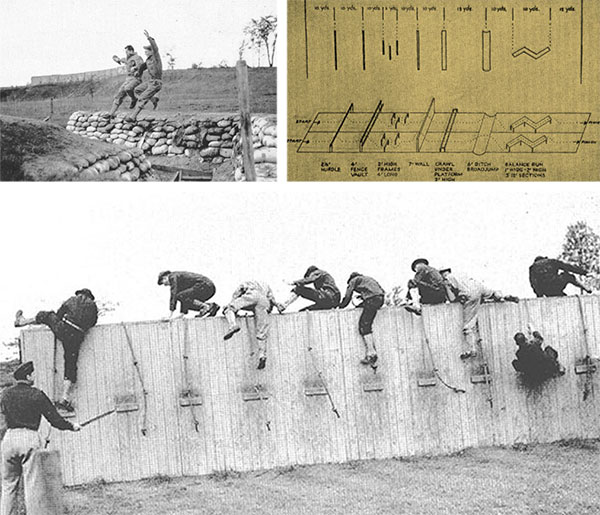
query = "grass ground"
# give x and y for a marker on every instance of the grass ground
(553, 479)
(210, 90)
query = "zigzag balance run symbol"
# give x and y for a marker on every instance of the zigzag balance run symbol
(522, 140)
(525, 120)
(531, 53)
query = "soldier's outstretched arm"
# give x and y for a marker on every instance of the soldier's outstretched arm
(152, 43)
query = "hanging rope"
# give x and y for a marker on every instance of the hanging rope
(186, 376)
(314, 364)
(54, 372)
(485, 368)
(589, 383)
(435, 369)
(139, 375)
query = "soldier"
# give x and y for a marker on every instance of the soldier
(191, 291)
(372, 295)
(133, 62)
(76, 316)
(147, 91)
(428, 281)
(471, 294)
(325, 294)
(256, 297)
(547, 280)
(21, 410)
(535, 363)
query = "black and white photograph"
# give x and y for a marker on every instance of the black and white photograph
(284, 353)
(151, 90)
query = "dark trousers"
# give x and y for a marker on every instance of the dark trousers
(69, 337)
(554, 287)
(370, 307)
(431, 296)
(199, 292)
(323, 299)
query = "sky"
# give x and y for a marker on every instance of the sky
(115, 240)
(46, 37)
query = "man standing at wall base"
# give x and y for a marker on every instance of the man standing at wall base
(21, 409)
(256, 297)
(372, 295)
(76, 316)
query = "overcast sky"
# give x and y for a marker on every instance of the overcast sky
(114, 239)
(46, 37)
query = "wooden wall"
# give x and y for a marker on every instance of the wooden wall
(288, 419)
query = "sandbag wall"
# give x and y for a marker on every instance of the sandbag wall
(121, 165)
(211, 138)
(208, 409)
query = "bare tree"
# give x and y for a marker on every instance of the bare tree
(263, 32)
(170, 61)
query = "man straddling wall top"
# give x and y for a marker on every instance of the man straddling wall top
(549, 277)
(428, 281)
(21, 410)
(76, 316)
(133, 63)
(372, 295)
(471, 294)
(325, 294)
(256, 297)
(148, 90)
(191, 290)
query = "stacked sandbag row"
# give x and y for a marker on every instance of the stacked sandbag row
(121, 165)
(210, 138)
(264, 131)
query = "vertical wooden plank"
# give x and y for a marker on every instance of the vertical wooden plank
(245, 120)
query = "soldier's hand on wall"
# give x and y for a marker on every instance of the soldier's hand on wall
(76, 427)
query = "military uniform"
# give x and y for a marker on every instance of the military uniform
(133, 64)
(256, 297)
(190, 290)
(549, 277)
(430, 284)
(21, 410)
(325, 294)
(153, 64)
(70, 323)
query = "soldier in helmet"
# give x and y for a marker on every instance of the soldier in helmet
(75, 317)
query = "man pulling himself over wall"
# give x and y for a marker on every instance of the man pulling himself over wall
(471, 294)
(76, 316)
(133, 63)
(191, 290)
(324, 294)
(372, 295)
(256, 297)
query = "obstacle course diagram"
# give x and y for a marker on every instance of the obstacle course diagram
(380, 131)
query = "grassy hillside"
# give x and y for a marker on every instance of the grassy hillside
(187, 91)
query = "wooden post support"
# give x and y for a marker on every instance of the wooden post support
(245, 120)
(45, 495)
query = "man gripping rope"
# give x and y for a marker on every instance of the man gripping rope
(76, 316)
(21, 409)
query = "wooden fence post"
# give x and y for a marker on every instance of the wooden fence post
(45, 495)
(245, 120)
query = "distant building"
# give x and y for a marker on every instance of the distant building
(77, 77)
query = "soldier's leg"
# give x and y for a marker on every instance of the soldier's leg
(118, 100)
(244, 302)
(151, 88)
(567, 278)
(186, 300)
(470, 311)
(17, 444)
(263, 322)
(365, 328)
(71, 355)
